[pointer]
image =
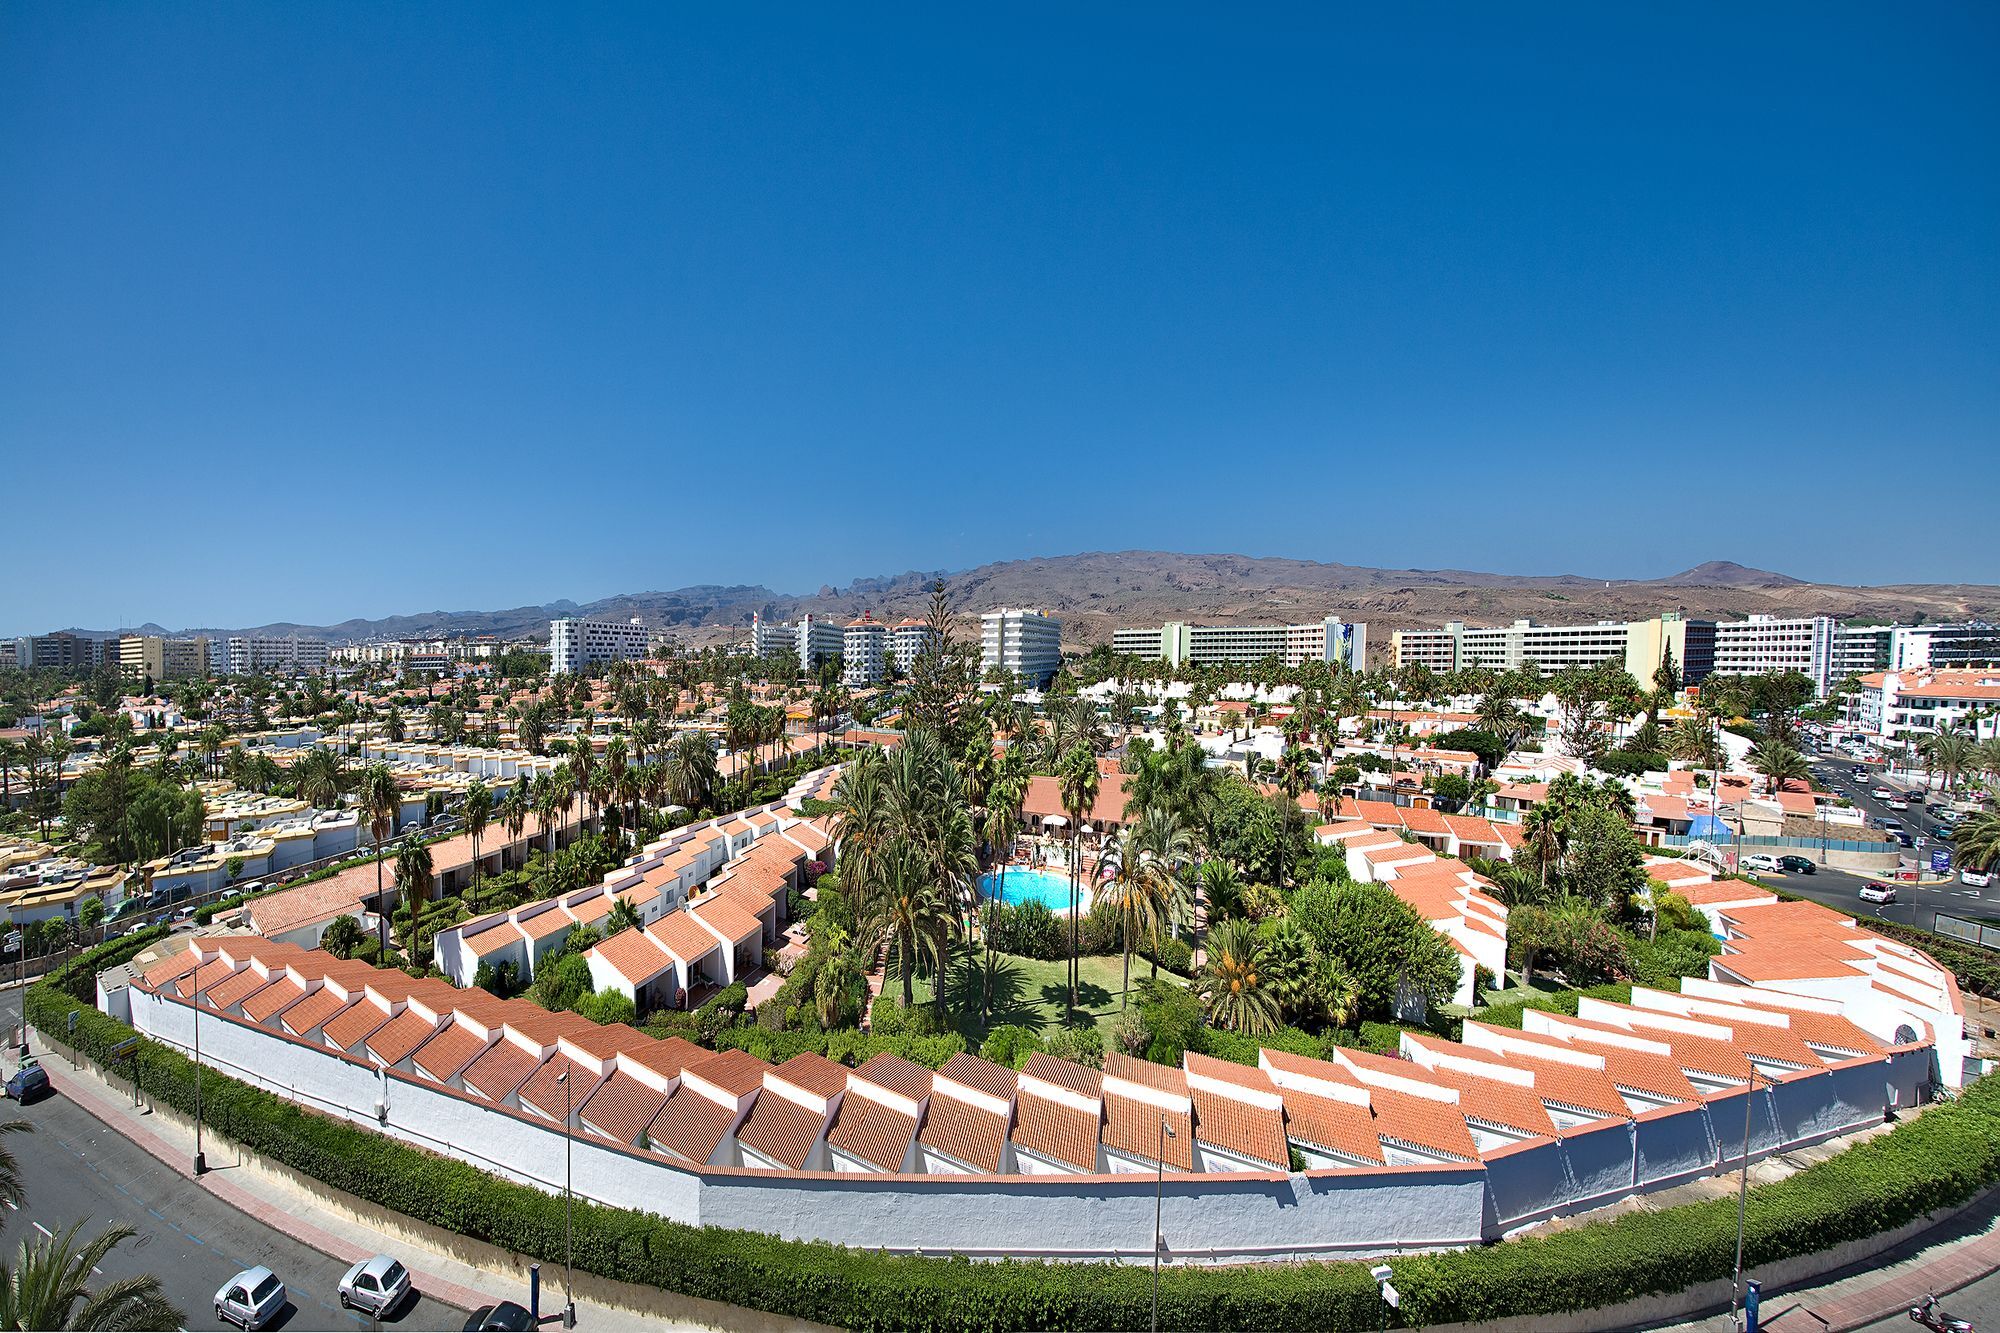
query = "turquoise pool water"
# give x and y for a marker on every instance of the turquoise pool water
(1050, 887)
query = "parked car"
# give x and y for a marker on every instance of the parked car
(504, 1316)
(1759, 861)
(251, 1299)
(1798, 865)
(1877, 892)
(185, 915)
(375, 1286)
(29, 1083)
(1978, 879)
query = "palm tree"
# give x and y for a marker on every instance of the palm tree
(10, 1170)
(478, 812)
(414, 877)
(1232, 985)
(692, 768)
(1542, 841)
(316, 778)
(1003, 822)
(515, 808)
(1779, 763)
(1078, 783)
(910, 913)
(1138, 892)
(861, 824)
(1170, 846)
(1948, 754)
(381, 802)
(623, 916)
(548, 801)
(842, 981)
(46, 1287)
(1978, 841)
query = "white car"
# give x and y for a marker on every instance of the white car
(1883, 794)
(1761, 862)
(251, 1299)
(1898, 803)
(1978, 879)
(375, 1286)
(1878, 893)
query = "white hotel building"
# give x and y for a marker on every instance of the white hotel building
(575, 642)
(247, 655)
(1328, 640)
(1769, 644)
(1027, 644)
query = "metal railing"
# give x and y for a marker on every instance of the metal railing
(1972, 932)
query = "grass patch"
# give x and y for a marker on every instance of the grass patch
(1031, 993)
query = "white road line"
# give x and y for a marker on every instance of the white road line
(44, 1230)
(12, 1206)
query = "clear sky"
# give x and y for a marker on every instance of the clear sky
(319, 310)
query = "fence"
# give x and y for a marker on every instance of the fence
(1801, 844)
(1972, 932)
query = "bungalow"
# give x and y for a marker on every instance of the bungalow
(876, 1127)
(786, 1128)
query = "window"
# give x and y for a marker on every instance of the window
(266, 1287)
(392, 1275)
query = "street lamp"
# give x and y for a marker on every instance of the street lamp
(1391, 1298)
(569, 1208)
(1743, 1191)
(1159, 1181)
(200, 1162)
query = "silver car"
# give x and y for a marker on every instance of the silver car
(375, 1286)
(251, 1299)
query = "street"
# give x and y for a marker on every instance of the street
(73, 1168)
(1979, 1303)
(1915, 905)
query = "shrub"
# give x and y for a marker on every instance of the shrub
(1173, 1016)
(887, 1018)
(1029, 930)
(1010, 1044)
(1173, 955)
(607, 1007)
(1083, 1046)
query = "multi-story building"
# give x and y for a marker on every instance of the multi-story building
(1026, 644)
(1769, 643)
(1638, 646)
(1176, 642)
(248, 655)
(864, 651)
(817, 640)
(140, 656)
(61, 651)
(1860, 649)
(576, 642)
(1901, 705)
(770, 638)
(1973, 644)
(907, 641)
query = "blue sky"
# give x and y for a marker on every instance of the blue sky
(310, 311)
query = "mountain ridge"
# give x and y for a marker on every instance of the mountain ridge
(1097, 591)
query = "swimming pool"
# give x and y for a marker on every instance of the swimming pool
(1050, 887)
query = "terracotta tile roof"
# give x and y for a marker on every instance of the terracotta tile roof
(735, 1072)
(781, 1129)
(690, 1126)
(1322, 1122)
(815, 1073)
(212, 973)
(1057, 1132)
(1237, 1126)
(728, 919)
(980, 1075)
(171, 968)
(677, 933)
(634, 955)
(1117, 1064)
(349, 1028)
(1421, 1123)
(228, 994)
(1064, 1074)
(967, 1134)
(396, 1039)
(546, 922)
(622, 1108)
(1248, 1077)
(453, 1048)
(1133, 1127)
(543, 1093)
(273, 999)
(666, 1057)
(313, 1010)
(872, 1132)
(898, 1075)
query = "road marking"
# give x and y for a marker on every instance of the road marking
(12, 1206)
(44, 1230)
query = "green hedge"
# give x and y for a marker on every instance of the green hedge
(1941, 1158)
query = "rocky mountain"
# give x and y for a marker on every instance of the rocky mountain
(1097, 592)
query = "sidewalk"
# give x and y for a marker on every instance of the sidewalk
(1942, 1260)
(291, 1210)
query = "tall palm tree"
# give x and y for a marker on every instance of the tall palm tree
(691, 763)
(1003, 822)
(548, 800)
(317, 778)
(1948, 754)
(515, 808)
(1130, 882)
(909, 913)
(1232, 985)
(1977, 841)
(381, 802)
(1078, 784)
(1170, 847)
(1542, 842)
(478, 813)
(414, 876)
(1779, 763)
(861, 827)
(47, 1287)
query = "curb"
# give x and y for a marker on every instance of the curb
(430, 1284)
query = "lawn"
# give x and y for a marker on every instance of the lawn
(1033, 994)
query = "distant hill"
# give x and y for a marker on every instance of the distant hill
(1097, 592)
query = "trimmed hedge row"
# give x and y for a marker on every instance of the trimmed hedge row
(1943, 1157)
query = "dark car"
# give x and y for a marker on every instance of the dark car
(1943, 832)
(1906, 839)
(1797, 865)
(29, 1083)
(505, 1315)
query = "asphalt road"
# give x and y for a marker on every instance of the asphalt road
(1979, 1302)
(73, 1168)
(1914, 905)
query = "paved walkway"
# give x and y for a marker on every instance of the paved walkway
(293, 1211)
(1941, 1260)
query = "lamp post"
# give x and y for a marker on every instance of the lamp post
(200, 1162)
(1391, 1298)
(569, 1208)
(1743, 1194)
(1159, 1182)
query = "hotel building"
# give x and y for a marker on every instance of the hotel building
(1176, 642)
(576, 642)
(1026, 644)
(1638, 646)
